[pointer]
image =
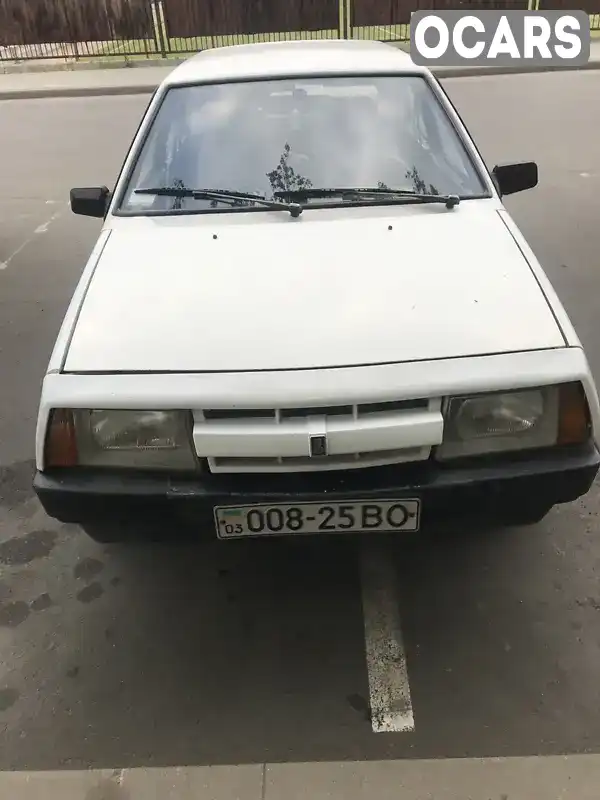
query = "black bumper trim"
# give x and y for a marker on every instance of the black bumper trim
(475, 488)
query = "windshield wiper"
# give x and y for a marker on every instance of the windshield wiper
(398, 195)
(222, 195)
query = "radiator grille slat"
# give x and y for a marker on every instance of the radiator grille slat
(329, 411)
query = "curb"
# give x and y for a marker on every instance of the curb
(87, 66)
(79, 91)
(148, 88)
(477, 72)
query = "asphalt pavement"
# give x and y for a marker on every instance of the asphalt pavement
(118, 659)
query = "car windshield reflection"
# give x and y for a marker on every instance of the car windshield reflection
(271, 136)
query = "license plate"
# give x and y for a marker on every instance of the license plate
(234, 522)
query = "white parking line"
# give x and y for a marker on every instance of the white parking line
(43, 228)
(391, 706)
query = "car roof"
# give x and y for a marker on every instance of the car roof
(297, 58)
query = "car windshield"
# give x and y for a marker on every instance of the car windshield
(266, 137)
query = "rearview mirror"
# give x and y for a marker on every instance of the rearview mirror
(90, 202)
(511, 178)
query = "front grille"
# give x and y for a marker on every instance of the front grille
(278, 439)
(329, 411)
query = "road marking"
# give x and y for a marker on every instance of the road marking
(391, 706)
(43, 228)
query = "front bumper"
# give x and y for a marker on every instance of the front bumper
(474, 490)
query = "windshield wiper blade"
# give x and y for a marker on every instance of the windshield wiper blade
(222, 195)
(402, 195)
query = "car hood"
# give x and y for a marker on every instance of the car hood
(335, 287)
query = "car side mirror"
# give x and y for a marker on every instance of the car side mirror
(90, 202)
(511, 178)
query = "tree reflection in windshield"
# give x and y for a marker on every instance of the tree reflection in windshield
(419, 184)
(284, 177)
(178, 201)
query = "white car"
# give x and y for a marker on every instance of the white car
(308, 311)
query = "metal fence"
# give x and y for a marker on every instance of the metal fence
(76, 29)
(134, 29)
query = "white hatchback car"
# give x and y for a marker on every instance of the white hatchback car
(308, 311)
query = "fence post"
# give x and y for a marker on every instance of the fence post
(349, 10)
(159, 26)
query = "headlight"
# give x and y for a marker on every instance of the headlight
(154, 440)
(131, 430)
(514, 421)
